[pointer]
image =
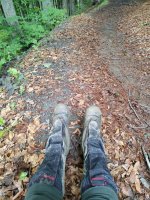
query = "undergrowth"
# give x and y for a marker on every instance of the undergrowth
(15, 39)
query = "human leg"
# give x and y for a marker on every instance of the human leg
(48, 182)
(97, 182)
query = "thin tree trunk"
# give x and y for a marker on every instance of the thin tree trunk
(9, 12)
(21, 14)
(71, 7)
(40, 4)
(65, 4)
(47, 4)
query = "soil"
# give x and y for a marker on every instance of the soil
(100, 57)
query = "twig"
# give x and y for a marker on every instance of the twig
(146, 157)
(144, 182)
(145, 108)
(18, 194)
(138, 127)
(130, 104)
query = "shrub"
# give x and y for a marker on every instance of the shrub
(31, 33)
(32, 28)
(52, 17)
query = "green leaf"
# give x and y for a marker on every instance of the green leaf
(13, 72)
(2, 133)
(2, 121)
(21, 89)
(22, 176)
(13, 105)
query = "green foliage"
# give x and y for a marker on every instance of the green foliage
(2, 121)
(2, 62)
(31, 33)
(14, 73)
(21, 89)
(14, 81)
(146, 24)
(2, 124)
(22, 176)
(13, 105)
(2, 133)
(52, 17)
(2, 19)
(81, 7)
(33, 25)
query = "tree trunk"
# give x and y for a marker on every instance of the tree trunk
(71, 7)
(65, 4)
(47, 4)
(9, 12)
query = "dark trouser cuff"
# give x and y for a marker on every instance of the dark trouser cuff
(40, 191)
(50, 171)
(95, 166)
(99, 192)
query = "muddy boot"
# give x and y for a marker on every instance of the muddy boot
(52, 169)
(96, 172)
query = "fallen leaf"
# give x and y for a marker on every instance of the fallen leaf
(137, 184)
(11, 135)
(75, 190)
(132, 176)
(126, 190)
(117, 131)
(145, 182)
(81, 102)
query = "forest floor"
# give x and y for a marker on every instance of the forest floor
(101, 58)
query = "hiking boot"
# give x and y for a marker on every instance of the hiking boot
(60, 134)
(52, 169)
(60, 124)
(92, 125)
(96, 172)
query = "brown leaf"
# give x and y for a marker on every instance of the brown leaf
(34, 126)
(81, 102)
(126, 190)
(11, 135)
(118, 170)
(75, 190)
(137, 184)
(132, 176)
(77, 132)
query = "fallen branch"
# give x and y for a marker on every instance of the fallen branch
(18, 194)
(146, 157)
(138, 127)
(144, 182)
(145, 108)
(130, 104)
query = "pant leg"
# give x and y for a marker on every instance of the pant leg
(41, 191)
(46, 183)
(97, 182)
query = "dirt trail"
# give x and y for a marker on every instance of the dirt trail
(84, 62)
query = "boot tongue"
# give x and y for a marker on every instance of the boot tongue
(57, 125)
(93, 129)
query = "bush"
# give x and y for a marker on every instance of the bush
(52, 17)
(32, 28)
(10, 45)
(81, 7)
(31, 33)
